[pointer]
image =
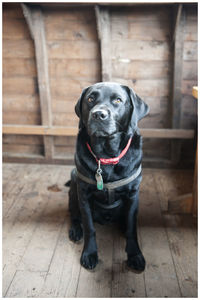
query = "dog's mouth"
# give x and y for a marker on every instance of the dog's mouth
(101, 130)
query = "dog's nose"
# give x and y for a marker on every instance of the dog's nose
(100, 115)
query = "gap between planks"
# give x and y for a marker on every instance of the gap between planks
(61, 275)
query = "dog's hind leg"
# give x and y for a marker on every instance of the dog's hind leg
(76, 231)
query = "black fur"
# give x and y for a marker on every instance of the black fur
(107, 138)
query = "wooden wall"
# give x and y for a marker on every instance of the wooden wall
(74, 63)
(141, 57)
(144, 62)
(20, 91)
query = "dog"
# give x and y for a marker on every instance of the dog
(104, 186)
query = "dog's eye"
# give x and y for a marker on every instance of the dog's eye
(117, 101)
(90, 99)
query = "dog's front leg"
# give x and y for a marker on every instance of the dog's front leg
(136, 259)
(89, 257)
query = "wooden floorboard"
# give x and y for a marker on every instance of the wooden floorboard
(160, 268)
(40, 261)
(125, 283)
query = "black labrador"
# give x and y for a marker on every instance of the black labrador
(104, 187)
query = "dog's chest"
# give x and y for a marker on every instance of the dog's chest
(106, 206)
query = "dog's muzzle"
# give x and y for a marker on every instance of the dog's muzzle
(100, 113)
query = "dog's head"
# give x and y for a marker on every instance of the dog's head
(106, 108)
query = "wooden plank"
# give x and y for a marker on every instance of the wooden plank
(135, 69)
(155, 30)
(35, 219)
(187, 86)
(60, 89)
(154, 148)
(135, 12)
(73, 50)
(61, 151)
(189, 111)
(18, 48)
(64, 106)
(40, 130)
(177, 21)
(160, 267)
(173, 186)
(181, 204)
(77, 13)
(35, 22)
(23, 140)
(69, 160)
(190, 50)
(23, 118)
(18, 103)
(177, 79)
(67, 141)
(183, 244)
(15, 220)
(99, 281)
(125, 283)
(13, 189)
(167, 133)
(12, 10)
(59, 27)
(19, 67)
(63, 119)
(23, 149)
(63, 275)
(38, 254)
(191, 29)
(15, 29)
(72, 131)
(77, 68)
(19, 85)
(141, 50)
(104, 35)
(33, 282)
(147, 87)
(190, 70)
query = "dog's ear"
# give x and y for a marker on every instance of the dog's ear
(139, 108)
(78, 105)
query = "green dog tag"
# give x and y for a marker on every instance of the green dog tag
(99, 180)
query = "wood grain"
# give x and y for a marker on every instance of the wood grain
(19, 85)
(104, 35)
(13, 67)
(72, 131)
(77, 68)
(18, 48)
(16, 103)
(155, 246)
(141, 50)
(40, 261)
(71, 50)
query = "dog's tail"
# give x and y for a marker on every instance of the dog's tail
(68, 183)
(73, 178)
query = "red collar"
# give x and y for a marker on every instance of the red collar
(111, 161)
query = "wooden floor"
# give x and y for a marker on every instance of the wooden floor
(40, 261)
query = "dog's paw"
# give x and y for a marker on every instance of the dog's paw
(76, 233)
(136, 262)
(89, 261)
